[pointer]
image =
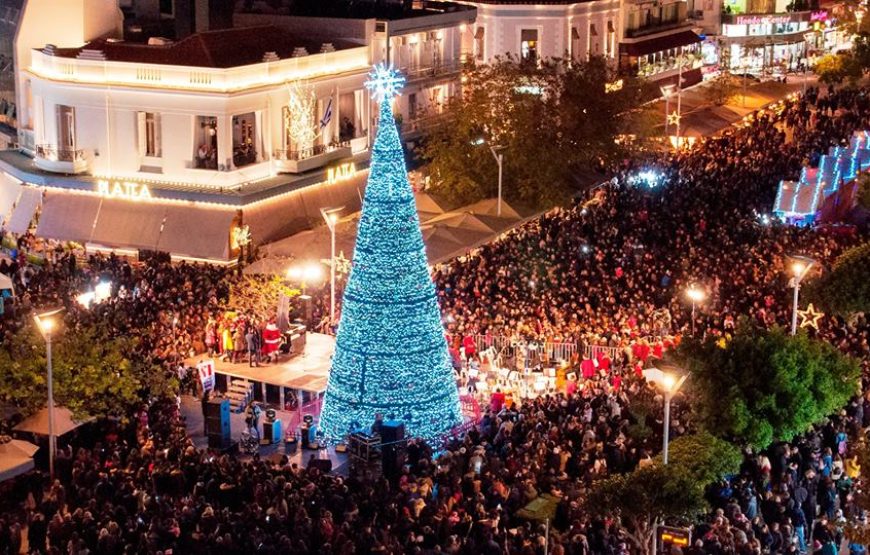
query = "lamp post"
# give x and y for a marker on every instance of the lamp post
(800, 267)
(671, 385)
(695, 295)
(667, 93)
(330, 216)
(497, 153)
(45, 322)
(304, 275)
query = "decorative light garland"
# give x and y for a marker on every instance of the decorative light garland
(391, 355)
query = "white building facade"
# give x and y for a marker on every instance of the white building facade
(171, 146)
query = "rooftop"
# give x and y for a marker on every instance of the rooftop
(365, 9)
(215, 49)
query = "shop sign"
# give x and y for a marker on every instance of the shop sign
(763, 19)
(819, 16)
(340, 172)
(127, 190)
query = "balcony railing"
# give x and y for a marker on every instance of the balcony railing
(60, 154)
(656, 25)
(316, 150)
(306, 159)
(57, 159)
(412, 73)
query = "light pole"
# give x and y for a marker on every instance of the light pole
(695, 295)
(497, 153)
(800, 267)
(45, 323)
(667, 92)
(670, 385)
(330, 216)
(679, 96)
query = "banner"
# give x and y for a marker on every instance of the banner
(205, 369)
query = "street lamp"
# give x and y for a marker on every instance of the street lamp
(497, 153)
(667, 93)
(46, 324)
(695, 295)
(800, 267)
(305, 274)
(670, 384)
(330, 216)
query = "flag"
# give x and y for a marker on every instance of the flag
(327, 114)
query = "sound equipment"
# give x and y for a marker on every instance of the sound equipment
(362, 446)
(323, 465)
(393, 447)
(271, 432)
(217, 423)
(308, 435)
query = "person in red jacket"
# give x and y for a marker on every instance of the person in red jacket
(271, 341)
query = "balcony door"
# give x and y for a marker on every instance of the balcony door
(66, 128)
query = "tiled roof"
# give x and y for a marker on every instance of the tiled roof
(217, 49)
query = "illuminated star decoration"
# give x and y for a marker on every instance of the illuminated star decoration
(384, 82)
(674, 118)
(810, 317)
(342, 264)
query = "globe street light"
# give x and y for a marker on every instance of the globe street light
(695, 295)
(800, 267)
(45, 322)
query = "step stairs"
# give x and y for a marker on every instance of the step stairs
(239, 393)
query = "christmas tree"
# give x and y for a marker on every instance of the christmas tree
(391, 354)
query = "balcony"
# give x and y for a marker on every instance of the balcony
(420, 73)
(301, 161)
(656, 25)
(52, 158)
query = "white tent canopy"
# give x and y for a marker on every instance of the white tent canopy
(16, 457)
(38, 422)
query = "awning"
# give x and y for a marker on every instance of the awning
(658, 44)
(38, 423)
(10, 189)
(124, 223)
(197, 231)
(25, 208)
(68, 216)
(16, 457)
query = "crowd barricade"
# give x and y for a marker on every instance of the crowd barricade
(530, 353)
(470, 407)
(597, 351)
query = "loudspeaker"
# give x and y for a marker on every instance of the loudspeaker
(393, 447)
(271, 432)
(217, 423)
(392, 431)
(323, 465)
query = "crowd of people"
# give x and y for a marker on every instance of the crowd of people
(593, 273)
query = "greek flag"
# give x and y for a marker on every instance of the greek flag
(327, 114)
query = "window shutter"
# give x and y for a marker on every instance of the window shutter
(158, 136)
(140, 133)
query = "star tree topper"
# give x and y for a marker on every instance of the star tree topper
(810, 317)
(384, 82)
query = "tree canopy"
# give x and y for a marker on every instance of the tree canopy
(648, 495)
(535, 114)
(94, 375)
(766, 385)
(705, 457)
(845, 289)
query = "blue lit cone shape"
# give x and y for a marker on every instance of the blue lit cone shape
(391, 354)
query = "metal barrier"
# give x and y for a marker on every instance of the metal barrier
(514, 352)
(595, 351)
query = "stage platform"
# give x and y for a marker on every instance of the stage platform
(306, 372)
